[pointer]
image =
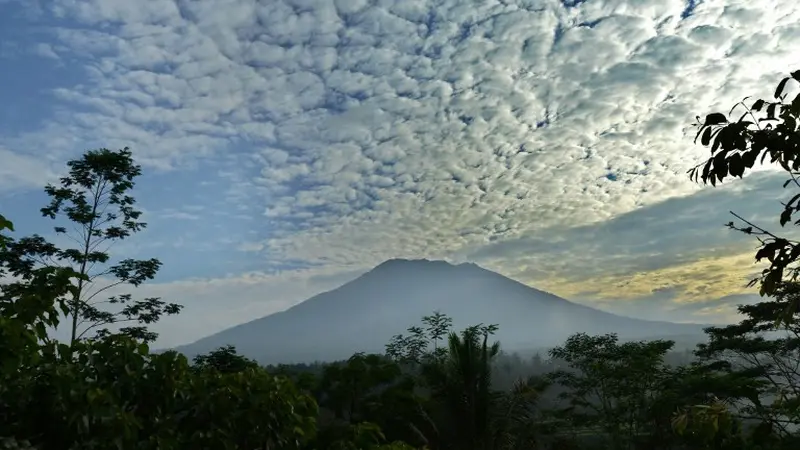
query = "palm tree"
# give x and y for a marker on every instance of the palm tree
(461, 381)
(462, 411)
(515, 424)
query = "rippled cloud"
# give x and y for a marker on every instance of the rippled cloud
(354, 131)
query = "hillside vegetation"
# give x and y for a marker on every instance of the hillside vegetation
(434, 387)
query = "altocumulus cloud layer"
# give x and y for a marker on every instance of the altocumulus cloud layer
(353, 131)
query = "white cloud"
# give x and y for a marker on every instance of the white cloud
(359, 131)
(45, 50)
(23, 171)
(178, 215)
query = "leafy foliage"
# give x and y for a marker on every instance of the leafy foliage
(765, 359)
(5, 224)
(94, 199)
(113, 393)
(223, 360)
(767, 131)
(415, 346)
(109, 391)
(611, 386)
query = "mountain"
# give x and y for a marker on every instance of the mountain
(364, 314)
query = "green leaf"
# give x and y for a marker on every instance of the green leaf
(41, 330)
(6, 224)
(64, 351)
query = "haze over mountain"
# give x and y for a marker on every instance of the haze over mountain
(364, 314)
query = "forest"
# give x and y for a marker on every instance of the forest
(433, 388)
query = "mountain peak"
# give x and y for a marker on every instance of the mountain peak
(401, 262)
(403, 269)
(398, 263)
(365, 313)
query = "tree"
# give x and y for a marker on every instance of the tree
(462, 383)
(27, 308)
(110, 392)
(225, 360)
(700, 400)
(347, 388)
(464, 411)
(765, 359)
(762, 355)
(438, 327)
(414, 347)
(765, 129)
(516, 422)
(611, 386)
(247, 409)
(411, 348)
(710, 426)
(94, 199)
(363, 436)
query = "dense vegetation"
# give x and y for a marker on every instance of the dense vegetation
(433, 388)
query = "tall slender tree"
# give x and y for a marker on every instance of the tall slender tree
(438, 326)
(95, 208)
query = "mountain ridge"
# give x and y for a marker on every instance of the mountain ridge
(363, 314)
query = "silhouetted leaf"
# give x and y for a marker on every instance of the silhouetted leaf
(771, 111)
(786, 216)
(736, 165)
(715, 119)
(781, 86)
(706, 139)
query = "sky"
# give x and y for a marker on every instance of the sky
(290, 145)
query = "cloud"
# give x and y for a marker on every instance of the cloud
(701, 280)
(178, 215)
(353, 131)
(659, 257)
(23, 171)
(675, 231)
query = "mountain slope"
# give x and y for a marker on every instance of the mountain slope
(364, 314)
